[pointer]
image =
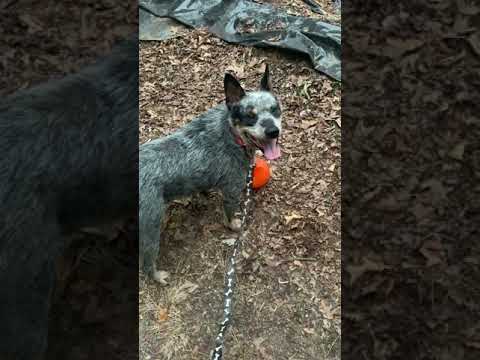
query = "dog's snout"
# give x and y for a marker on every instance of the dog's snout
(272, 132)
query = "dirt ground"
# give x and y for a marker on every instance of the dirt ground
(44, 41)
(411, 160)
(287, 304)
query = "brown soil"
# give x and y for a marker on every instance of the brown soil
(287, 304)
(411, 161)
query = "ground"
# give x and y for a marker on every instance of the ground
(46, 41)
(287, 304)
(410, 199)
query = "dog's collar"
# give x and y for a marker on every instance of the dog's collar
(240, 141)
(237, 138)
(249, 152)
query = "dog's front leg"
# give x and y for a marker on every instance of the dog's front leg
(231, 204)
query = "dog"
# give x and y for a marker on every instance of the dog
(212, 152)
(69, 159)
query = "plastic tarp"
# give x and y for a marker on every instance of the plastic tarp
(248, 23)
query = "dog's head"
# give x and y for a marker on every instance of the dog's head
(255, 116)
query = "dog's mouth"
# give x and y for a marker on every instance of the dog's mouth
(269, 147)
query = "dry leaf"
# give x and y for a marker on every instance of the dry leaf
(245, 254)
(356, 271)
(238, 69)
(292, 216)
(182, 292)
(327, 310)
(305, 124)
(272, 262)
(229, 241)
(309, 331)
(474, 41)
(162, 315)
(432, 251)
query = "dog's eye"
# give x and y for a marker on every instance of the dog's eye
(251, 112)
(275, 110)
(250, 117)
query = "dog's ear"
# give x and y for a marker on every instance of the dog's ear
(265, 83)
(233, 90)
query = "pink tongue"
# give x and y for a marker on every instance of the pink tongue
(271, 150)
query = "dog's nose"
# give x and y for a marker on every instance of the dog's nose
(272, 132)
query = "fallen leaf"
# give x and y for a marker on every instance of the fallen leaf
(432, 251)
(474, 41)
(182, 292)
(238, 69)
(272, 262)
(356, 271)
(309, 331)
(292, 216)
(162, 315)
(245, 254)
(306, 124)
(229, 241)
(258, 341)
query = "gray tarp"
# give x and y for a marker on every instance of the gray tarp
(248, 23)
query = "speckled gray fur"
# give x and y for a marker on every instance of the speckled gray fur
(201, 156)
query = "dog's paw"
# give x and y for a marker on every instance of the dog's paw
(235, 225)
(161, 277)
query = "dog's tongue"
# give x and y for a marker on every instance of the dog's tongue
(271, 150)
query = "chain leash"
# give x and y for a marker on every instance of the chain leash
(230, 277)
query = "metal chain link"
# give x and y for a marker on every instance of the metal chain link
(230, 278)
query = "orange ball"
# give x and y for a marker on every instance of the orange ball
(261, 173)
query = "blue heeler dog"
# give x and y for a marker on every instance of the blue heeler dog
(211, 152)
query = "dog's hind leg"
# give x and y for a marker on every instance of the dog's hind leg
(151, 209)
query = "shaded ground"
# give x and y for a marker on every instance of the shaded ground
(46, 40)
(288, 295)
(411, 195)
